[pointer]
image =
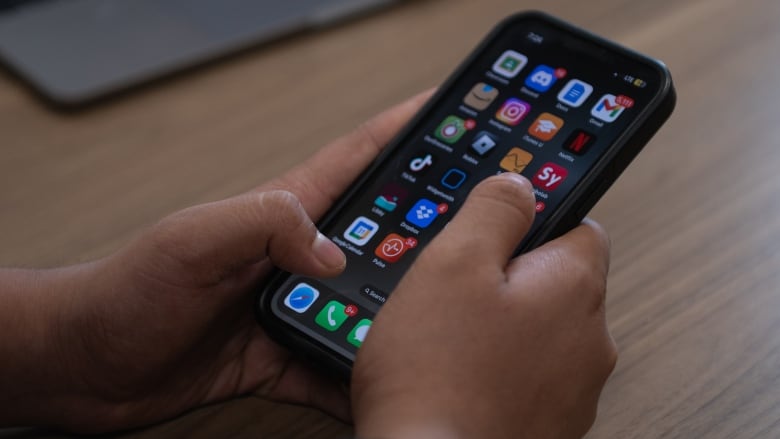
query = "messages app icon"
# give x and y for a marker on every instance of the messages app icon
(358, 334)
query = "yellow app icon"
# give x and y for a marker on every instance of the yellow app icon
(516, 160)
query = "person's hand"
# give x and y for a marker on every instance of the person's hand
(166, 323)
(473, 344)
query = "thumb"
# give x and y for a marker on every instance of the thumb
(213, 240)
(496, 216)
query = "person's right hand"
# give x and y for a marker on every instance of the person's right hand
(473, 344)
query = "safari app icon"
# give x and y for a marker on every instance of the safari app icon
(301, 298)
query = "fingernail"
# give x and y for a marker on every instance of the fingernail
(520, 179)
(328, 253)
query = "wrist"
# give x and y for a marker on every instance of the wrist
(36, 351)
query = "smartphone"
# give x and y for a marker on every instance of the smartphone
(539, 97)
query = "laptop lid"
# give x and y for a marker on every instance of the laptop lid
(77, 51)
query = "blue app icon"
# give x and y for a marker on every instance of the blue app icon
(453, 179)
(301, 297)
(541, 79)
(423, 213)
(575, 93)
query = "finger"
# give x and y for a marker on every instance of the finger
(495, 217)
(578, 260)
(319, 181)
(216, 239)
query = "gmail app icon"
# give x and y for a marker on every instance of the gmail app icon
(607, 108)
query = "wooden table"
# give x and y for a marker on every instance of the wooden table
(694, 292)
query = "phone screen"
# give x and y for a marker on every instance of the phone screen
(537, 99)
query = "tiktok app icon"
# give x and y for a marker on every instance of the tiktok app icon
(420, 164)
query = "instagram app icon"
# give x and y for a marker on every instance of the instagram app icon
(513, 111)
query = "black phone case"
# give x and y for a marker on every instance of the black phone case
(567, 216)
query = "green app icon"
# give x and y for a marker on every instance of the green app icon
(510, 64)
(359, 332)
(451, 129)
(332, 316)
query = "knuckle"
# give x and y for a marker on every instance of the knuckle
(368, 137)
(275, 202)
(170, 236)
(584, 273)
(289, 225)
(281, 210)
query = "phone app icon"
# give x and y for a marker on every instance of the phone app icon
(510, 63)
(451, 129)
(550, 176)
(546, 126)
(361, 231)
(610, 107)
(484, 142)
(516, 160)
(481, 96)
(390, 196)
(541, 78)
(513, 111)
(332, 316)
(301, 298)
(579, 142)
(423, 213)
(359, 332)
(393, 247)
(453, 178)
(420, 164)
(575, 93)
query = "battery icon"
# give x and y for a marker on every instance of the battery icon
(639, 83)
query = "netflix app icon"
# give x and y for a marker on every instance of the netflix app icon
(579, 142)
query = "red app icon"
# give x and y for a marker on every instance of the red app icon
(393, 247)
(550, 176)
(579, 142)
(351, 310)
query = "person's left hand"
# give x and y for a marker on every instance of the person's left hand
(166, 324)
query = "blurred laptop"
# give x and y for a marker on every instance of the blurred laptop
(77, 51)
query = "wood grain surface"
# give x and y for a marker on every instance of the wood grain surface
(694, 289)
